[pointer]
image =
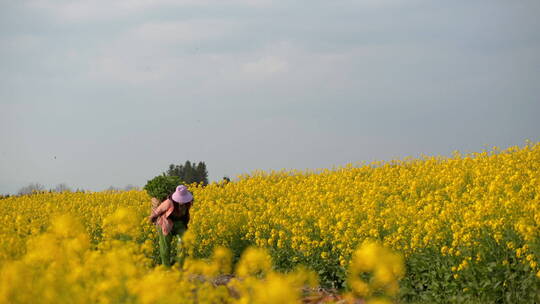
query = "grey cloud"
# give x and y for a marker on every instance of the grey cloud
(119, 96)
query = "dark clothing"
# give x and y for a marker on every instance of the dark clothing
(180, 213)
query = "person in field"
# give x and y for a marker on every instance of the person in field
(171, 218)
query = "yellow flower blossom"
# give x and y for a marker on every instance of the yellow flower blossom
(470, 209)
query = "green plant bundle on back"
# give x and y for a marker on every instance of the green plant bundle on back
(161, 186)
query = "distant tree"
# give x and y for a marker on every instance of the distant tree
(61, 188)
(129, 187)
(226, 179)
(175, 170)
(189, 172)
(31, 188)
(202, 173)
(112, 188)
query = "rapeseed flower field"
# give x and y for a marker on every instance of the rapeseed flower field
(426, 230)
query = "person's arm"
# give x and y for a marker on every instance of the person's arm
(159, 210)
(155, 203)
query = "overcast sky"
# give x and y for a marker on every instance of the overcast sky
(99, 93)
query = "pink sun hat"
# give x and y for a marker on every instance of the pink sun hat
(182, 195)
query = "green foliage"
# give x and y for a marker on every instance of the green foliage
(161, 186)
(430, 278)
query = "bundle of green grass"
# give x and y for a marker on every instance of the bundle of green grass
(162, 186)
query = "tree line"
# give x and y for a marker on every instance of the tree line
(189, 172)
